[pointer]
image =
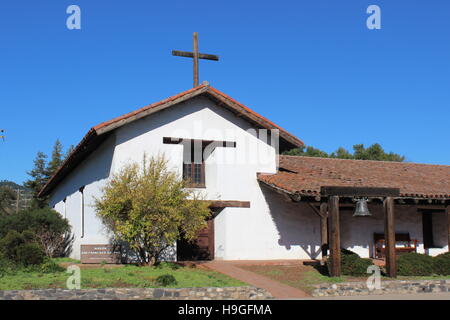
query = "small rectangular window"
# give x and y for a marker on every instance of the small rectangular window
(194, 157)
(194, 173)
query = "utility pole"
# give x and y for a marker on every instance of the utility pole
(17, 200)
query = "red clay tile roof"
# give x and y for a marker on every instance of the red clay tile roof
(305, 176)
(98, 133)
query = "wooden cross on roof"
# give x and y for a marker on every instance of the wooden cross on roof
(195, 55)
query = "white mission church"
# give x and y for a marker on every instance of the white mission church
(266, 206)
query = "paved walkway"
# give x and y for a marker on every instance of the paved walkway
(277, 289)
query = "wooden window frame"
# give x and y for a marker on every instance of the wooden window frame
(205, 143)
(189, 182)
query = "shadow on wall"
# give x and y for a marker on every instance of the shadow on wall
(96, 167)
(357, 233)
(296, 223)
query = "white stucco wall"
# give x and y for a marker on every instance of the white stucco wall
(198, 118)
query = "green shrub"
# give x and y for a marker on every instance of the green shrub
(20, 250)
(29, 254)
(352, 264)
(6, 266)
(415, 264)
(50, 266)
(49, 229)
(441, 264)
(166, 280)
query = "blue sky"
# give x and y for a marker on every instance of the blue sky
(311, 66)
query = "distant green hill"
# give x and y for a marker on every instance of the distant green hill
(24, 196)
(12, 185)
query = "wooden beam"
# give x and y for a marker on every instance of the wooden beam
(187, 54)
(359, 191)
(229, 204)
(195, 44)
(324, 229)
(322, 212)
(315, 209)
(389, 233)
(447, 210)
(335, 237)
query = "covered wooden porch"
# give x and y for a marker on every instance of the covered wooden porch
(334, 198)
(408, 196)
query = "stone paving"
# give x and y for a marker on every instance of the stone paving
(387, 287)
(209, 293)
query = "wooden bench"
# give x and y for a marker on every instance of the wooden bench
(409, 245)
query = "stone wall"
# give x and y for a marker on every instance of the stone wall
(396, 287)
(212, 293)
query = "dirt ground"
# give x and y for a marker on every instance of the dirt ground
(304, 277)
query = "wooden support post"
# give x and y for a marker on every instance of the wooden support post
(324, 229)
(447, 210)
(389, 234)
(335, 238)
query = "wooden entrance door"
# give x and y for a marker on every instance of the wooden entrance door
(201, 248)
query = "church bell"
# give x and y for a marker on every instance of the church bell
(361, 209)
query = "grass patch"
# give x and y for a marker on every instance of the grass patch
(66, 260)
(128, 276)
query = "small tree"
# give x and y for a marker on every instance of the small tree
(149, 208)
(56, 159)
(38, 178)
(42, 171)
(373, 152)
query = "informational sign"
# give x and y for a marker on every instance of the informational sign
(99, 253)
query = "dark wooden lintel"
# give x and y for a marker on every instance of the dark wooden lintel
(359, 191)
(217, 143)
(229, 204)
